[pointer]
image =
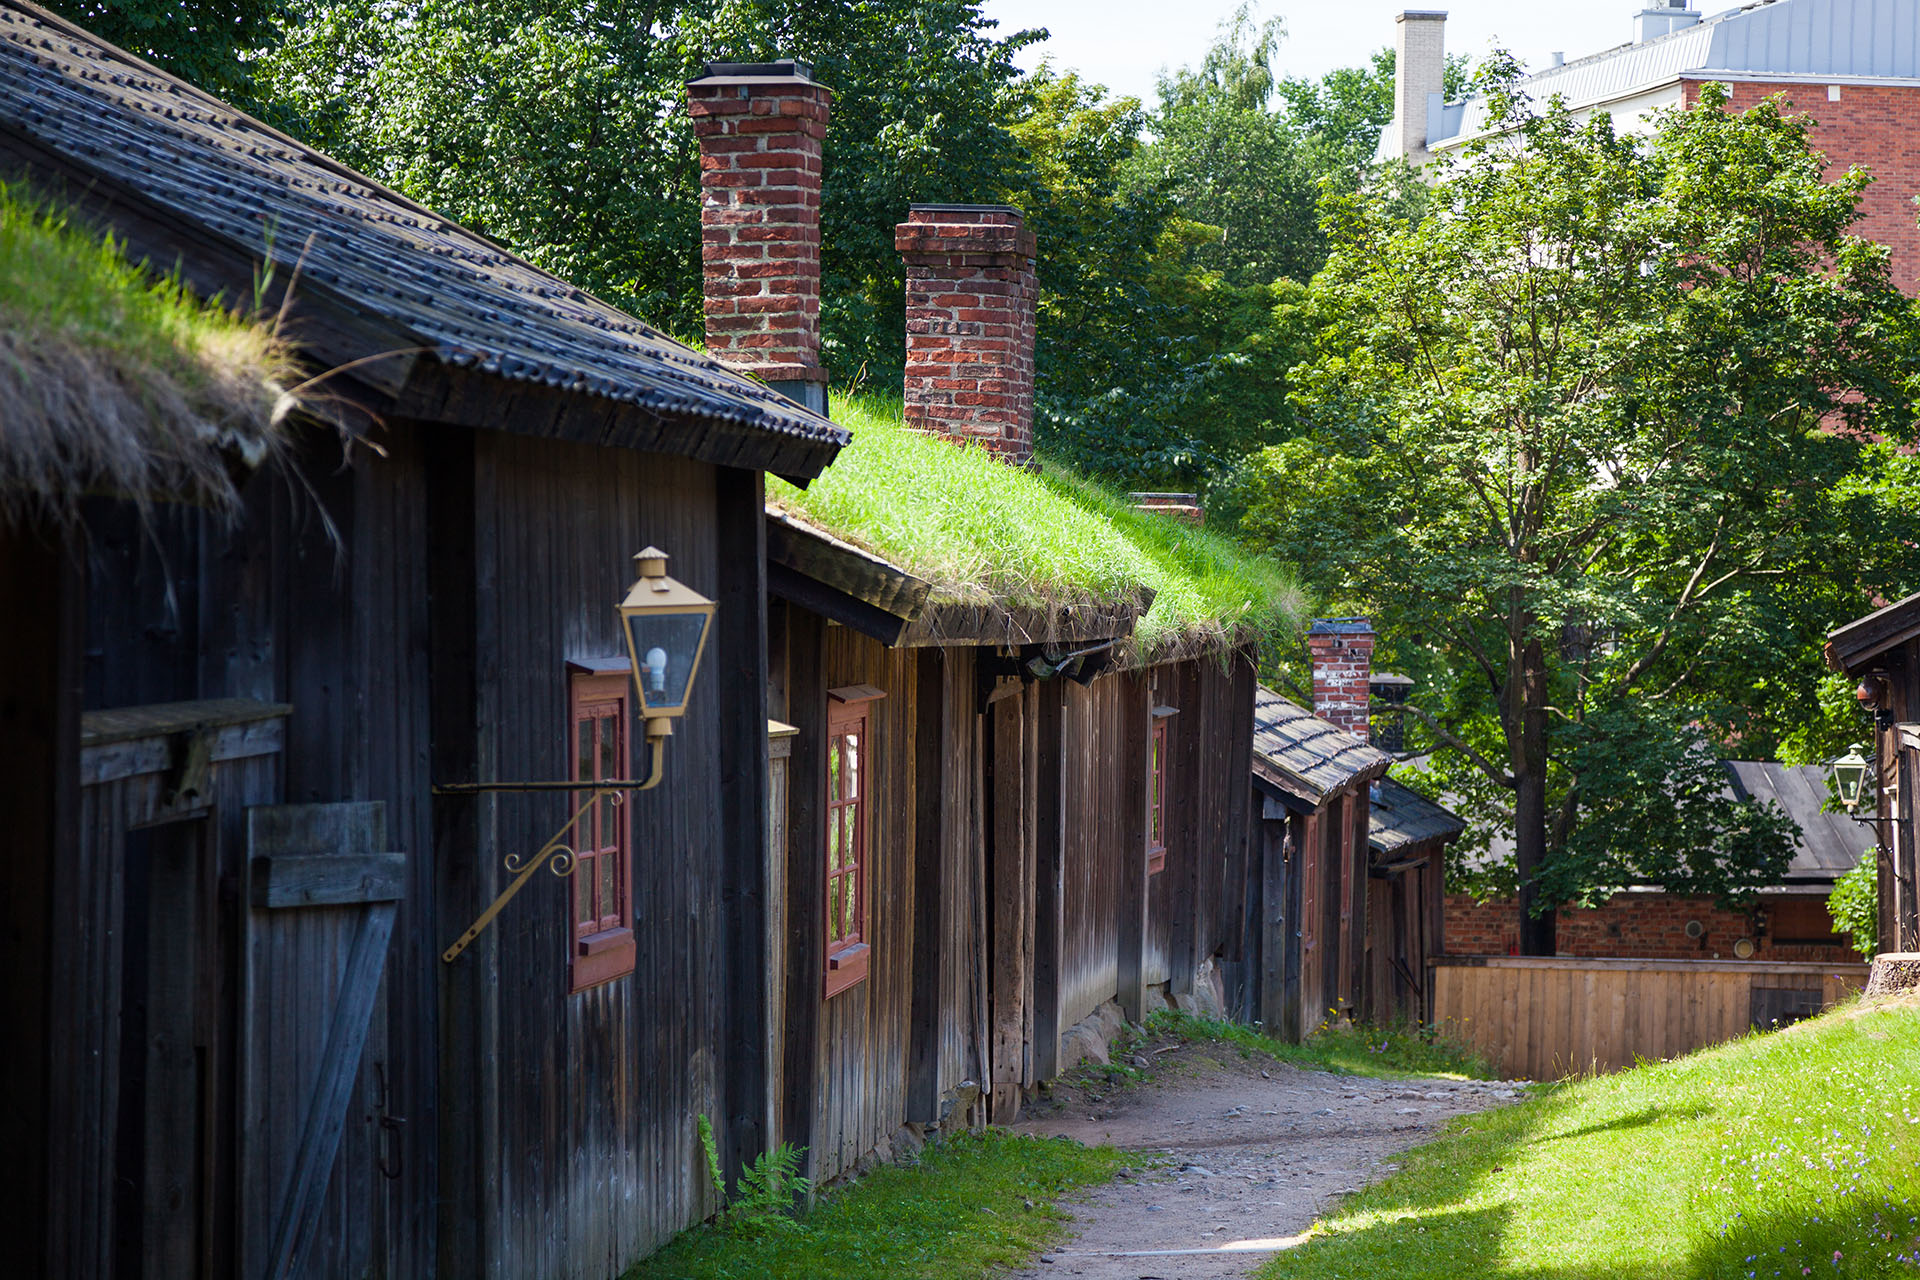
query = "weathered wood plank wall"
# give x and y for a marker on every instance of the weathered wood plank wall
(1545, 1018)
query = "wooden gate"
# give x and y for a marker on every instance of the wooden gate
(322, 893)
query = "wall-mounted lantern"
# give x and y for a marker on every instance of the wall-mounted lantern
(1849, 778)
(665, 623)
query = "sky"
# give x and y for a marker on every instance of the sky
(1123, 44)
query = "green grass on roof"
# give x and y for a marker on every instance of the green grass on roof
(114, 378)
(981, 531)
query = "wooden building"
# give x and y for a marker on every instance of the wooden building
(1407, 839)
(234, 1046)
(1311, 781)
(989, 839)
(1882, 650)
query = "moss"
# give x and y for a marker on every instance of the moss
(982, 531)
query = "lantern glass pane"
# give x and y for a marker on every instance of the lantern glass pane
(665, 646)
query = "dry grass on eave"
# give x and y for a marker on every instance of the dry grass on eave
(983, 532)
(113, 380)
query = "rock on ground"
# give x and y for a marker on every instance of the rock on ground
(1252, 1152)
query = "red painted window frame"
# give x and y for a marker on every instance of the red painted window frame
(600, 944)
(849, 950)
(1157, 796)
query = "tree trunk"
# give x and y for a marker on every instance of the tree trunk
(1527, 730)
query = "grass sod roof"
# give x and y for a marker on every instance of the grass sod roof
(983, 532)
(114, 379)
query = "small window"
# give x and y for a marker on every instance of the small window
(601, 898)
(1157, 797)
(849, 781)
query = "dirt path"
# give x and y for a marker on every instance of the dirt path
(1251, 1153)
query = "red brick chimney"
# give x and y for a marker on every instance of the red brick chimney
(760, 126)
(1342, 650)
(970, 298)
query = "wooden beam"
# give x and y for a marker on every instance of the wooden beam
(819, 557)
(1136, 753)
(1854, 647)
(806, 878)
(835, 606)
(1050, 846)
(294, 880)
(740, 671)
(930, 750)
(42, 594)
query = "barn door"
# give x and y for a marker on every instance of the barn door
(322, 896)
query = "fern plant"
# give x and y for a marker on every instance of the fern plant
(768, 1188)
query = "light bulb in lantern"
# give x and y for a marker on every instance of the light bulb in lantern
(657, 670)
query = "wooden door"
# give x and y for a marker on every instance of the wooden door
(321, 901)
(173, 1186)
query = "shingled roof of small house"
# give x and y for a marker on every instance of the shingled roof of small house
(380, 279)
(1304, 757)
(1401, 818)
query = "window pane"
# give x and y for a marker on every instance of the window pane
(853, 766)
(837, 888)
(609, 748)
(609, 905)
(833, 770)
(583, 763)
(583, 892)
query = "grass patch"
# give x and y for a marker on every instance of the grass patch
(971, 1204)
(982, 532)
(1348, 1048)
(113, 377)
(1791, 1154)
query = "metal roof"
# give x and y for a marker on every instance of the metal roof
(1402, 817)
(1830, 843)
(1815, 39)
(1298, 753)
(264, 197)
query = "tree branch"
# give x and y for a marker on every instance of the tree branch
(1453, 740)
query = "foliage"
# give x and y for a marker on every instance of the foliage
(982, 531)
(712, 1153)
(971, 1205)
(201, 41)
(1584, 431)
(1770, 1154)
(768, 1188)
(1854, 904)
(561, 130)
(1339, 1045)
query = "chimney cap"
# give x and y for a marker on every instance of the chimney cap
(964, 208)
(781, 69)
(1389, 679)
(1422, 15)
(1341, 627)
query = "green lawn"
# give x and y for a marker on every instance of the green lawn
(1793, 1154)
(974, 1204)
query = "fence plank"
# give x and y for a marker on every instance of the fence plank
(1543, 1018)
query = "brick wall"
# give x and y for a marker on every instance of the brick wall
(1870, 125)
(760, 127)
(1342, 652)
(1647, 926)
(970, 318)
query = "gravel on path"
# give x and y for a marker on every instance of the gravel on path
(1240, 1155)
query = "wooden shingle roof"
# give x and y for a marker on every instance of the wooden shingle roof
(448, 325)
(1298, 755)
(1857, 646)
(1402, 817)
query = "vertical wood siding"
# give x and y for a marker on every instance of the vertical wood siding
(1541, 1019)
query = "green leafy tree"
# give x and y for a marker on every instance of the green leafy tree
(560, 129)
(202, 41)
(1583, 432)
(1854, 904)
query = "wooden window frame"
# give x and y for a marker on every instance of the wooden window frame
(1157, 770)
(603, 948)
(849, 955)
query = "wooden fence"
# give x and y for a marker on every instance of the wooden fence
(1541, 1019)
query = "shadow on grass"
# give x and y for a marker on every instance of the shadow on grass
(1633, 1120)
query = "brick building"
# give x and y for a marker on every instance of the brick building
(1788, 922)
(1853, 65)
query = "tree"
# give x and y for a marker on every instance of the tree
(560, 129)
(1583, 429)
(202, 41)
